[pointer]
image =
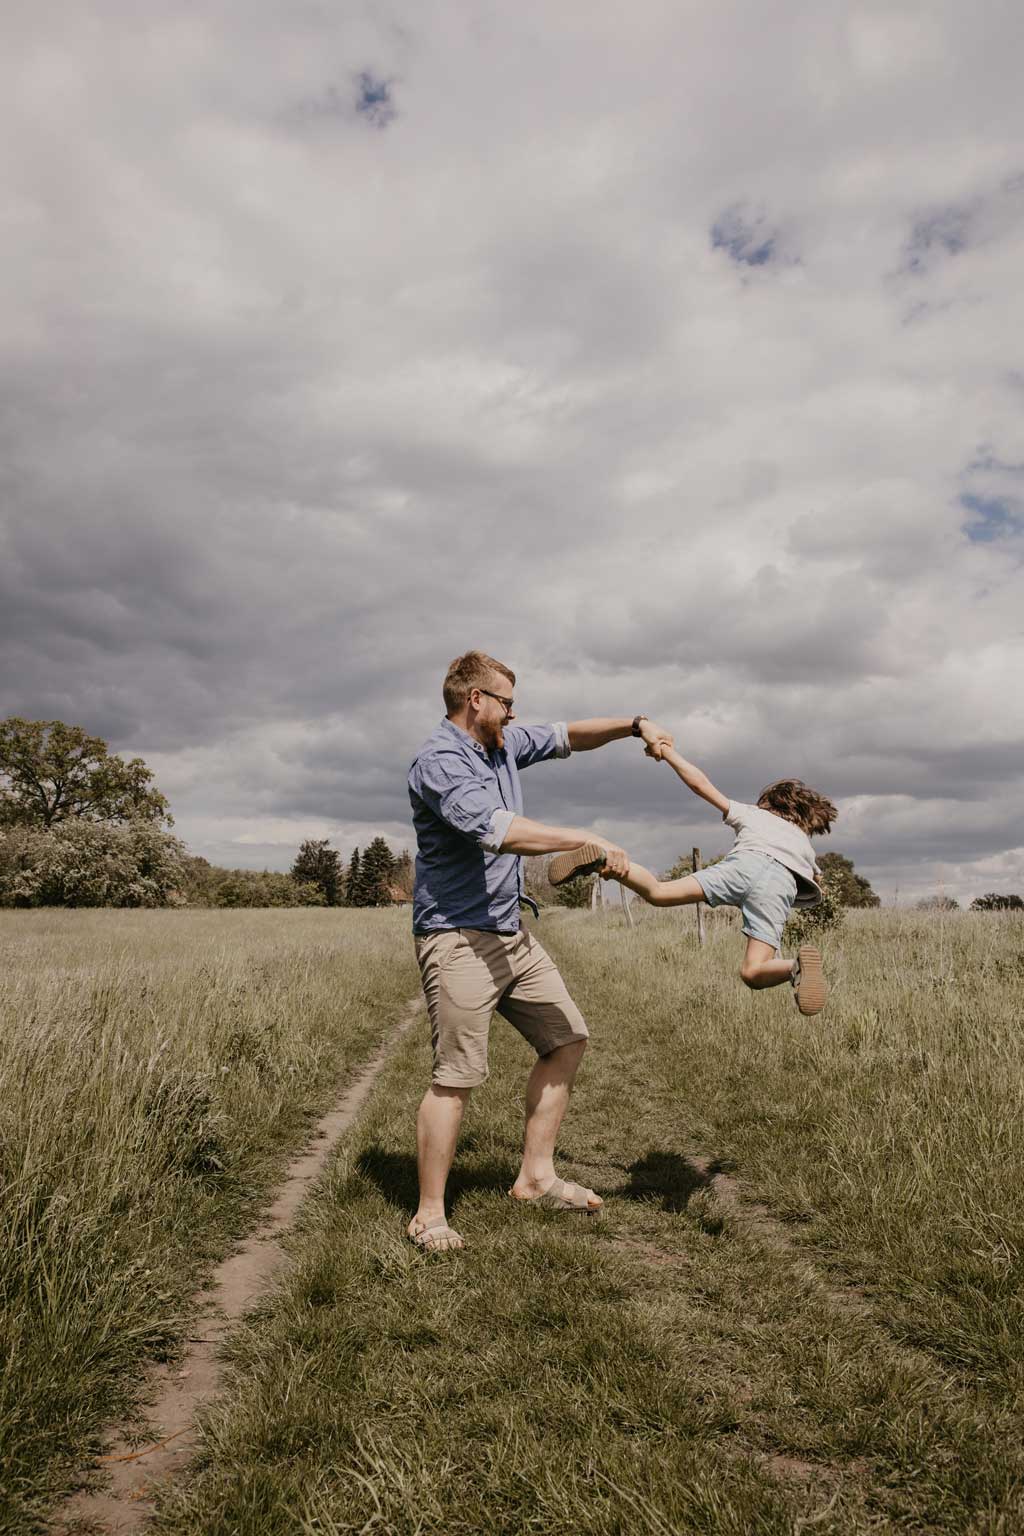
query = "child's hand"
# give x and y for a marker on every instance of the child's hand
(617, 862)
(612, 874)
(654, 738)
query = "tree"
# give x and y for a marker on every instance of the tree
(851, 889)
(354, 890)
(535, 880)
(683, 866)
(317, 863)
(51, 772)
(377, 872)
(938, 904)
(403, 877)
(993, 902)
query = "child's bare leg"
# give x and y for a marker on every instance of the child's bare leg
(762, 968)
(660, 893)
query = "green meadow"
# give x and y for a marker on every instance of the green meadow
(156, 1071)
(800, 1312)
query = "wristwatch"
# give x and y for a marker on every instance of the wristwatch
(636, 724)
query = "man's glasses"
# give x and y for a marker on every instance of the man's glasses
(506, 704)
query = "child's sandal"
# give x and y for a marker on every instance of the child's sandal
(809, 981)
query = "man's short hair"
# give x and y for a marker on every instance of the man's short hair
(473, 670)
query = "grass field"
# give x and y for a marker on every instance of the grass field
(801, 1311)
(156, 1068)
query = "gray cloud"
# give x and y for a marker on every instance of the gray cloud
(292, 411)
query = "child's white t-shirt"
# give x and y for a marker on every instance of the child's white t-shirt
(759, 831)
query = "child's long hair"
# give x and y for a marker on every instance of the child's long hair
(794, 801)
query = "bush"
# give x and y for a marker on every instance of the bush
(807, 923)
(252, 888)
(207, 885)
(78, 863)
(575, 893)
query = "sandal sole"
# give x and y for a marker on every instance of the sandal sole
(811, 989)
(577, 862)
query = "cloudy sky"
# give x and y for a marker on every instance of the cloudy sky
(672, 352)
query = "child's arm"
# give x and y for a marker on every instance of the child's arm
(695, 779)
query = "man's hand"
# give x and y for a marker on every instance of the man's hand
(654, 737)
(617, 862)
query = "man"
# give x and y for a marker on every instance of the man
(473, 957)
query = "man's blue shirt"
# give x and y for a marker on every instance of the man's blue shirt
(463, 801)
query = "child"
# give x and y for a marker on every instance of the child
(769, 870)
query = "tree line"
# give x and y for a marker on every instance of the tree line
(82, 827)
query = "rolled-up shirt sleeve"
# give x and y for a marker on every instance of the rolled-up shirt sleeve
(448, 786)
(530, 744)
(498, 830)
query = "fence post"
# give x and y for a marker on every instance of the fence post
(625, 896)
(700, 905)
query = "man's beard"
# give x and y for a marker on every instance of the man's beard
(493, 735)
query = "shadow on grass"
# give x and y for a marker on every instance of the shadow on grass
(394, 1174)
(668, 1177)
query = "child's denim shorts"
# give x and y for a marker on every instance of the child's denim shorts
(762, 888)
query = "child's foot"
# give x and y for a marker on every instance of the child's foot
(578, 861)
(808, 980)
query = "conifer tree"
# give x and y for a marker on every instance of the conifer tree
(378, 868)
(354, 881)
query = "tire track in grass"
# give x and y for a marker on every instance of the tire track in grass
(134, 1472)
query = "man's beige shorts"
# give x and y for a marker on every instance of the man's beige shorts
(467, 974)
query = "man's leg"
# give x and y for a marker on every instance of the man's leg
(538, 1005)
(463, 973)
(437, 1131)
(547, 1098)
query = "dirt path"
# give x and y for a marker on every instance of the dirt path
(179, 1390)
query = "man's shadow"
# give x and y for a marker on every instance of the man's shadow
(665, 1178)
(669, 1178)
(395, 1174)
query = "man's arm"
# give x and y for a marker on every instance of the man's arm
(585, 735)
(693, 778)
(532, 837)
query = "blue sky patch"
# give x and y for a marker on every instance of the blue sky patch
(747, 238)
(992, 517)
(374, 100)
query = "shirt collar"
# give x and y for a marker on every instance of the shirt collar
(464, 737)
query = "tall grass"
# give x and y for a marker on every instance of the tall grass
(155, 1070)
(670, 1368)
(889, 1133)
